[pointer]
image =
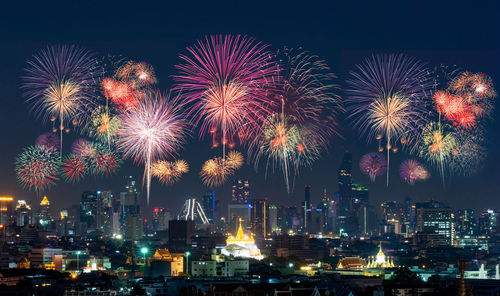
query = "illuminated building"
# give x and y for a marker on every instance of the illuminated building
(23, 213)
(380, 260)
(273, 219)
(435, 223)
(488, 222)
(237, 211)
(240, 191)
(192, 210)
(259, 217)
(88, 209)
(165, 263)
(130, 211)
(161, 216)
(307, 208)
(466, 223)
(344, 194)
(241, 245)
(351, 263)
(43, 216)
(6, 203)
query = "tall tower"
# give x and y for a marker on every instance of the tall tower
(131, 215)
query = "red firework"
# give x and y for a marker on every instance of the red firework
(106, 163)
(120, 93)
(373, 164)
(137, 75)
(74, 169)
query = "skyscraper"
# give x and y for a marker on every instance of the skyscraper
(89, 209)
(344, 194)
(307, 207)
(209, 204)
(360, 210)
(240, 191)
(105, 212)
(24, 215)
(131, 216)
(435, 223)
(6, 208)
(259, 217)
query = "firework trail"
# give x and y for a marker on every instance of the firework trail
(154, 130)
(373, 165)
(386, 99)
(73, 168)
(59, 85)
(37, 167)
(412, 171)
(49, 140)
(169, 172)
(469, 153)
(223, 81)
(436, 146)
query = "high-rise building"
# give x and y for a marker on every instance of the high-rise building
(6, 209)
(240, 191)
(89, 205)
(466, 223)
(307, 208)
(180, 233)
(273, 218)
(488, 222)
(360, 214)
(209, 205)
(161, 216)
(344, 194)
(259, 217)
(435, 223)
(24, 216)
(131, 215)
(105, 212)
(236, 211)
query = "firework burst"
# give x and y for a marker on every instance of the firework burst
(436, 146)
(169, 172)
(137, 75)
(49, 140)
(37, 167)
(412, 171)
(214, 172)
(224, 83)
(154, 130)
(469, 153)
(73, 168)
(373, 165)
(58, 84)
(386, 99)
(103, 125)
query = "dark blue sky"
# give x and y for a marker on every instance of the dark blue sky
(437, 32)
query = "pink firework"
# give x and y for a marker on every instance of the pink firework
(83, 148)
(412, 171)
(223, 82)
(154, 130)
(49, 140)
(373, 165)
(73, 169)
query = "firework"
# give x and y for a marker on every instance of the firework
(412, 171)
(373, 164)
(153, 130)
(137, 75)
(105, 163)
(474, 86)
(74, 168)
(169, 172)
(120, 93)
(49, 140)
(103, 125)
(37, 167)
(58, 84)
(83, 148)
(214, 172)
(224, 83)
(436, 145)
(386, 99)
(234, 160)
(468, 154)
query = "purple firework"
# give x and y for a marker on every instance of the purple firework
(411, 171)
(373, 164)
(48, 140)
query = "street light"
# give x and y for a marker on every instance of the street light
(187, 261)
(144, 251)
(78, 260)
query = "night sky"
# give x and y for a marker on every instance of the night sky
(342, 34)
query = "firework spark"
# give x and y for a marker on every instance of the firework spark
(58, 84)
(214, 172)
(37, 167)
(386, 99)
(234, 160)
(469, 153)
(103, 125)
(224, 83)
(155, 129)
(373, 165)
(412, 171)
(137, 75)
